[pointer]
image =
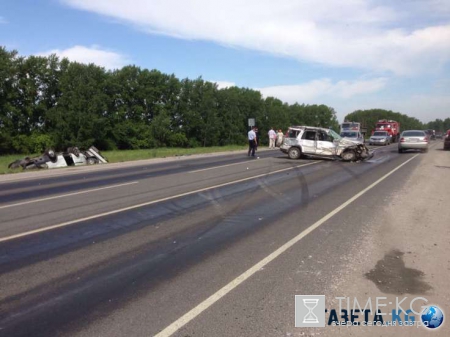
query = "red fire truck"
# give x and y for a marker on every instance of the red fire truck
(390, 126)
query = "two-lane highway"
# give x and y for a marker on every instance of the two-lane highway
(131, 250)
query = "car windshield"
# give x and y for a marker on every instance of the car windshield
(380, 134)
(383, 126)
(414, 134)
(349, 134)
(349, 125)
(334, 135)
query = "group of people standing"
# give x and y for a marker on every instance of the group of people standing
(275, 139)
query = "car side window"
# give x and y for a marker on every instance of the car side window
(309, 135)
(322, 136)
(293, 133)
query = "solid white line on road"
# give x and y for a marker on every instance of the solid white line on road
(67, 195)
(216, 167)
(189, 316)
(64, 224)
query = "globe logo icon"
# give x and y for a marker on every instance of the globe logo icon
(432, 317)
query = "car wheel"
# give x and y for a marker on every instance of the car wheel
(91, 161)
(294, 153)
(349, 156)
(400, 150)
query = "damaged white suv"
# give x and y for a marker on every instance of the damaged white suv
(322, 143)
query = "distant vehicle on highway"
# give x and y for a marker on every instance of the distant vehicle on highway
(355, 136)
(380, 138)
(390, 126)
(447, 140)
(413, 140)
(431, 134)
(321, 143)
(439, 135)
(353, 126)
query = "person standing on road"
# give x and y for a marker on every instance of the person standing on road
(252, 142)
(272, 137)
(279, 138)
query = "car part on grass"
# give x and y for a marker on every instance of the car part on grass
(50, 159)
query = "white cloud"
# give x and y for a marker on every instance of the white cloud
(316, 90)
(348, 96)
(93, 54)
(3, 20)
(425, 107)
(353, 33)
(223, 84)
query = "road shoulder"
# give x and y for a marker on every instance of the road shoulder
(35, 174)
(404, 252)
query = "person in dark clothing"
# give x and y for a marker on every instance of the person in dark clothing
(252, 142)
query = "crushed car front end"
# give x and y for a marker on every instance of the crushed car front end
(348, 150)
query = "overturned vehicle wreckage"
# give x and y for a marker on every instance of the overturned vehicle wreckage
(50, 159)
(322, 143)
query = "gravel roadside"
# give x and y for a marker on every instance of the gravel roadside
(404, 253)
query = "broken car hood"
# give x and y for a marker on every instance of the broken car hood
(345, 142)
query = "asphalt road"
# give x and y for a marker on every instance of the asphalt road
(130, 250)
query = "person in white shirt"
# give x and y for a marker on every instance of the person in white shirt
(272, 138)
(252, 142)
(279, 138)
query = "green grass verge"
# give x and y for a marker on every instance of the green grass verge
(130, 155)
(6, 160)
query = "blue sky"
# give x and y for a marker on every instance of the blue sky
(354, 54)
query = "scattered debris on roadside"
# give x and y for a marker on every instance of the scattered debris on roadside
(50, 159)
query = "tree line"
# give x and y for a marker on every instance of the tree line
(50, 102)
(369, 119)
(47, 102)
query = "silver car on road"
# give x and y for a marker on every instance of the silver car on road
(380, 138)
(414, 140)
(322, 143)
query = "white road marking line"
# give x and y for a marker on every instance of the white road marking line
(64, 224)
(215, 167)
(189, 316)
(67, 195)
(63, 172)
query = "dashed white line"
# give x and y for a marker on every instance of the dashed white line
(216, 167)
(67, 195)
